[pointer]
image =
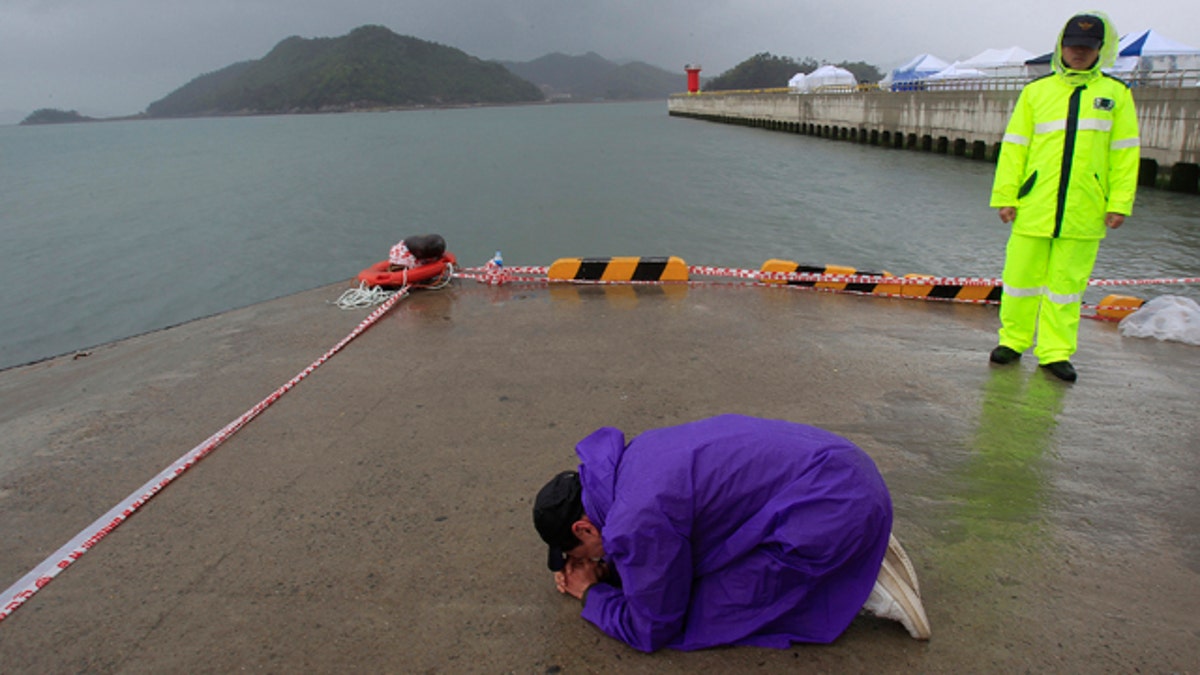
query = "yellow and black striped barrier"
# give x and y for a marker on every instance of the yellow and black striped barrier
(939, 291)
(932, 291)
(630, 268)
(777, 266)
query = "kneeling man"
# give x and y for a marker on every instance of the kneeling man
(726, 531)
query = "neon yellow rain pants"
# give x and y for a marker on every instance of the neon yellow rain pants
(1044, 281)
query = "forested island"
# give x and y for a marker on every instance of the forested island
(370, 68)
(55, 116)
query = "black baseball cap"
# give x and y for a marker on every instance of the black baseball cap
(1084, 30)
(558, 505)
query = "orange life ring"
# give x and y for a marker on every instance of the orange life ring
(379, 274)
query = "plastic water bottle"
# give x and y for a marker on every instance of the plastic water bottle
(495, 270)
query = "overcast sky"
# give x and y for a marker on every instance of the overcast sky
(115, 57)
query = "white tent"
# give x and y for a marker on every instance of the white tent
(909, 76)
(796, 84)
(999, 62)
(829, 78)
(956, 76)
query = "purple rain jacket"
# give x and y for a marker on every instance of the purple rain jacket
(732, 531)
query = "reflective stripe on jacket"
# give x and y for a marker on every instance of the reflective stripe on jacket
(1069, 156)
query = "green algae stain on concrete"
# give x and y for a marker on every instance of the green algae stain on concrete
(995, 529)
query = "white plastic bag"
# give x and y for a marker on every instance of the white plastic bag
(1168, 317)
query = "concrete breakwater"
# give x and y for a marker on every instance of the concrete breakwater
(961, 123)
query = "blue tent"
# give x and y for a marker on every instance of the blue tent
(910, 76)
(1150, 43)
(1150, 57)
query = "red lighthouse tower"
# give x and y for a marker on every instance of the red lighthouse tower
(693, 74)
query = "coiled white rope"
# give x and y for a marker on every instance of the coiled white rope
(363, 296)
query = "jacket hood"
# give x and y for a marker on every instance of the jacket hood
(599, 455)
(1108, 52)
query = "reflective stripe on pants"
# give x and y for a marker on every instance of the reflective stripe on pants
(1044, 281)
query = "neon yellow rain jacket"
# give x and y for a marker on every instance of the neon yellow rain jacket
(1071, 150)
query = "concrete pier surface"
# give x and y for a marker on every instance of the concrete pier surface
(377, 517)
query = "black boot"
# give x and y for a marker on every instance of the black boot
(1003, 355)
(1063, 370)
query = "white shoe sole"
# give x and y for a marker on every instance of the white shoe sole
(909, 610)
(899, 559)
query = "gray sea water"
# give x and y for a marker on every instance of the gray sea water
(113, 229)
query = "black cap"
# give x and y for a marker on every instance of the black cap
(558, 505)
(1084, 30)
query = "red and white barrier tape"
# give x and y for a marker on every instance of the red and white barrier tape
(908, 281)
(1143, 282)
(20, 592)
(520, 275)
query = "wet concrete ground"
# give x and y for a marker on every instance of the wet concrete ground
(377, 518)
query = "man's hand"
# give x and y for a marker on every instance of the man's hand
(1114, 220)
(1008, 214)
(578, 576)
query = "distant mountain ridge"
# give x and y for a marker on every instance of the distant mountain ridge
(369, 68)
(373, 68)
(591, 77)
